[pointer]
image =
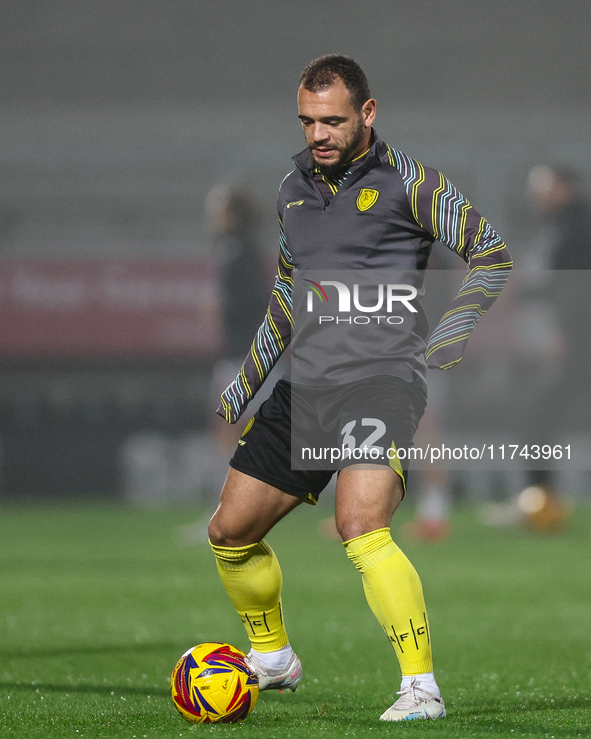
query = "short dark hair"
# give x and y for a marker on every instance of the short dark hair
(324, 71)
(566, 174)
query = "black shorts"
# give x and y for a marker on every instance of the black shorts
(378, 413)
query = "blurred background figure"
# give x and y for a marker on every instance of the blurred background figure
(562, 255)
(233, 218)
(432, 491)
(564, 241)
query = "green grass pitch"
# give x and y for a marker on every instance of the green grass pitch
(98, 603)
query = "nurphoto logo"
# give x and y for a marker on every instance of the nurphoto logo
(386, 298)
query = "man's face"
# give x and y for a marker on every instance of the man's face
(548, 192)
(335, 132)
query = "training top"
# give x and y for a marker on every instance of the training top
(385, 212)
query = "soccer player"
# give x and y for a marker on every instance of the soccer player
(352, 203)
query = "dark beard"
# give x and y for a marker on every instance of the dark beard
(333, 170)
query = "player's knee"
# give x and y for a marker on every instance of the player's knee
(215, 534)
(356, 523)
(220, 535)
(351, 529)
(223, 534)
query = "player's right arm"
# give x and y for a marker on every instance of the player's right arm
(271, 340)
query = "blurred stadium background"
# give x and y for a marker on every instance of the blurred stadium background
(116, 120)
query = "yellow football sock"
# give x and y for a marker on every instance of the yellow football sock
(252, 578)
(395, 595)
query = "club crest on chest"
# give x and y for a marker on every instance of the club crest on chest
(366, 198)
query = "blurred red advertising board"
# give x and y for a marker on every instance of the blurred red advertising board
(107, 308)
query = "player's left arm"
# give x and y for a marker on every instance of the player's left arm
(448, 216)
(270, 341)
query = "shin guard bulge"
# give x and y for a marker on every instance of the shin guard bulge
(395, 595)
(252, 578)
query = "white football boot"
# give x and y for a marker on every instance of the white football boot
(415, 703)
(269, 679)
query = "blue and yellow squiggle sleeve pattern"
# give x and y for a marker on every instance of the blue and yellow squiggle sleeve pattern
(446, 214)
(271, 340)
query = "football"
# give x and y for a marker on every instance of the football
(213, 683)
